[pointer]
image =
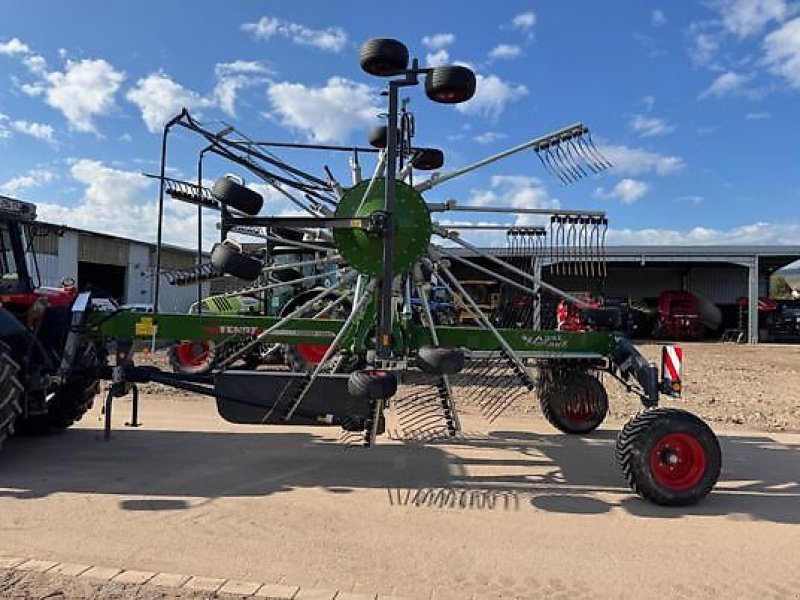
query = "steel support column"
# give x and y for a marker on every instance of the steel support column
(752, 304)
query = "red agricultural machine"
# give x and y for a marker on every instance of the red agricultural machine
(385, 353)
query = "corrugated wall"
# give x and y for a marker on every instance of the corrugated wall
(721, 285)
(53, 269)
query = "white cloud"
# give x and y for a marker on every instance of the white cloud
(438, 41)
(32, 179)
(36, 64)
(758, 116)
(5, 132)
(14, 46)
(627, 190)
(650, 126)
(658, 17)
(782, 52)
(755, 233)
(159, 98)
(123, 203)
(748, 17)
(489, 137)
(725, 84)
(85, 90)
(328, 113)
(231, 77)
(635, 161)
(438, 58)
(505, 52)
(331, 39)
(492, 95)
(40, 131)
(524, 21)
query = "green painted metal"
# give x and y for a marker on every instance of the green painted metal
(412, 227)
(169, 327)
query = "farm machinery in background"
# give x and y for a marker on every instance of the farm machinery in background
(381, 351)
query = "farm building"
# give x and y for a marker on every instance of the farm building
(119, 268)
(721, 274)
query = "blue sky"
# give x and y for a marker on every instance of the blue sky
(696, 103)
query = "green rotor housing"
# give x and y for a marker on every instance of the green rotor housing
(412, 228)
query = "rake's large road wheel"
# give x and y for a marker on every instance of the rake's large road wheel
(383, 57)
(235, 195)
(229, 260)
(450, 85)
(192, 357)
(427, 159)
(378, 136)
(669, 456)
(10, 393)
(575, 402)
(374, 384)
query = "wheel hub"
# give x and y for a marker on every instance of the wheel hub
(363, 249)
(678, 461)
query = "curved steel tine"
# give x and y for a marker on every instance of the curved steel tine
(593, 158)
(565, 163)
(576, 163)
(543, 158)
(553, 160)
(573, 146)
(603, 244)
(599, 157)
(577, 159)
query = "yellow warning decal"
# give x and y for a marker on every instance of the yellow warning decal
(145, 326)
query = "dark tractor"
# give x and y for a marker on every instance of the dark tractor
(48, 379)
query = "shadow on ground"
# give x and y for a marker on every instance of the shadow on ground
(504, 470)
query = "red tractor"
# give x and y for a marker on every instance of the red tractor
(678, 317)
(48, 377)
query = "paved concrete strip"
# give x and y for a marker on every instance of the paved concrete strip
(37, 566)
(354, 596)
(174, 580)
(314, 594)
(101, 573)
(240, 588)
(205, 584)
(135, 577)
(10, 562)
(70, 569)
(273, 590)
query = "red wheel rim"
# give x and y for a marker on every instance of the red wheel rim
(678, 461)
(193, 353)
(312, 353)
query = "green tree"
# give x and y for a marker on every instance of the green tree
(779, 287)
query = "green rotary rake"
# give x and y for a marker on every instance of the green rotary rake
(368, 354)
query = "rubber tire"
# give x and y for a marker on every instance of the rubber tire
(11, 392)
(287, 234)
(178, 367)
(240, 265)
(374, 384)
(383, 57)
(450, 85)
(378, 136)
(557, 393)
(636, 441)
(65, 408)
(427, 159)
(237, 196)
(602, 318)
(440, 361)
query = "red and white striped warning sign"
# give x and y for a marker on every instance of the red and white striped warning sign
(671, 360)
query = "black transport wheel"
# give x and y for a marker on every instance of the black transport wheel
(233, 262)
(374, 384)
(235, 195)
(450, 85)
(192, 357)
(440, 361)
(573, 401)
(11, 392)
(669, 456)
(427, 159)
(383, 57)
(378, 136)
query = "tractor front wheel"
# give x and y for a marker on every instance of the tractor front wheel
(669, 456)
(10, 393)
(573, 402)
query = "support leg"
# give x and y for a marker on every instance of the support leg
(134, 422)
